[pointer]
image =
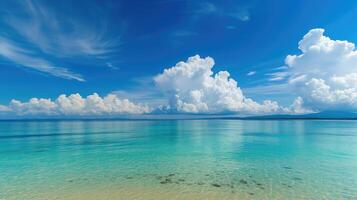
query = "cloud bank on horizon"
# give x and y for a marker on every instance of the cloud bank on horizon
(75, 105)
(323, 76)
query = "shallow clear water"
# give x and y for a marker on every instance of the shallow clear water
(183, 159)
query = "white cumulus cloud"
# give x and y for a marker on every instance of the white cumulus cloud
(297, 107)
(325, 73)
(193, 87)
(75, 105)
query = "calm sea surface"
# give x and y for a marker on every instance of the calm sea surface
(182, 159)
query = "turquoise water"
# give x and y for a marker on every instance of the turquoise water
(182, 159)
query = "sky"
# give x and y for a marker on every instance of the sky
(109, 58)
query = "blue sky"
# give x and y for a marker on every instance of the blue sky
(49, 48)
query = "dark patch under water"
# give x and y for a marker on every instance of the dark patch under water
(175, 178)
(242, 181)
(216, 185)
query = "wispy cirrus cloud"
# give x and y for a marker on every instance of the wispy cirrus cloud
(277, 76)
(35, 32)
(27, 58)
(206, 8)
(184, 33)
(59, 34)
(111, 66)
(240, 13)
(251, 73)
(202, 9)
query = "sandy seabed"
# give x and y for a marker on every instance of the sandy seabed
(136, 193)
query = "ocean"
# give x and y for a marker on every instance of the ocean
(178, 159)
